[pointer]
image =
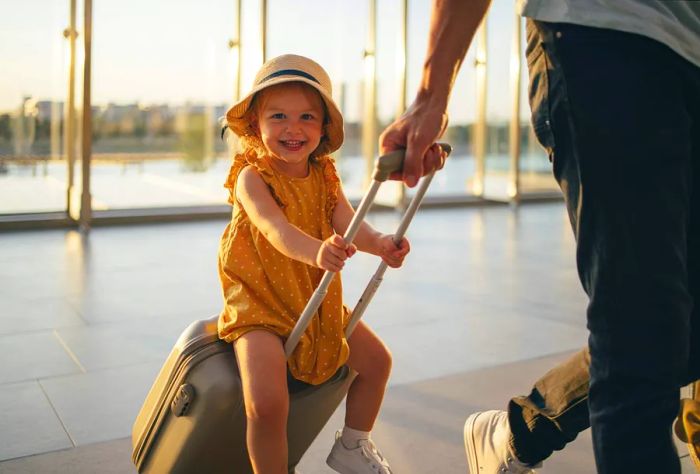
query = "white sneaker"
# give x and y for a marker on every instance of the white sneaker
(486, 439)
(365, 459)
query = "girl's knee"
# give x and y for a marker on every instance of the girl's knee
(268, 408)
(379, 367)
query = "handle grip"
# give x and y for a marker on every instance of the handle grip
(393, 162)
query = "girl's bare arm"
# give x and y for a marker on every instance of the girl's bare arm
(264, 213)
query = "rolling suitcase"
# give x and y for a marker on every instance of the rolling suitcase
(193, 419)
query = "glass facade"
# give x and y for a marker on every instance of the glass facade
(158, 88)
(161, 79)
(34, 54)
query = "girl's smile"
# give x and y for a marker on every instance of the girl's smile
(292, 145)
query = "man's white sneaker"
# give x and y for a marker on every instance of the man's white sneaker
(364, 459)
(486, 439)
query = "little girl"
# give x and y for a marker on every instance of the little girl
(288, 212)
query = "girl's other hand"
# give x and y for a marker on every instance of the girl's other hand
(333, 252)
(392, 253)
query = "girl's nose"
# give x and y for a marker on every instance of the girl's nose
(293, 126)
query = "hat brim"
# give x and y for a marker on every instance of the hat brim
(333, 128)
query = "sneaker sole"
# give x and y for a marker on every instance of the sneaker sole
(338, 467)
(470, 444)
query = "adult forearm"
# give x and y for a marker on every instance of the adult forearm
(453, 24)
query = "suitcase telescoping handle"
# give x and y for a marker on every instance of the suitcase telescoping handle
(385, 165)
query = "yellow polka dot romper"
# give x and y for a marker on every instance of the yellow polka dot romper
(264, 289)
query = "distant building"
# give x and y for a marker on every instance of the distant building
(48, 108)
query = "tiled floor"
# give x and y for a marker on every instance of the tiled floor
(85, 322)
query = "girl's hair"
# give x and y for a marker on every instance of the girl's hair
(252, 140)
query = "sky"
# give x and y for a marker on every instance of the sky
(175, 51)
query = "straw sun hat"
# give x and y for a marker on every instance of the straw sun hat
(292, 68)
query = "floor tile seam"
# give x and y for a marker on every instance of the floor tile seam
(570, 324)
(538, 316)
(99, 370)
(69, 351)
(55, 411)
(423, 322)
(27, 332)
(77, 311)
(484, 367)
(45, 331)
(139, 318)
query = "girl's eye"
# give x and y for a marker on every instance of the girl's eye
(307, 117)
(278, 116)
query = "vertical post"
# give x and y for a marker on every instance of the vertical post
(402, 55)
(69, 116)
(263, 29)
(234, 45)
(369, 124)
(86, 154)
(402, 59)
(514, 129)
(480, 124)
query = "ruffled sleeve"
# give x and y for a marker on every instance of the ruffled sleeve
(240, 161)
(332, 180)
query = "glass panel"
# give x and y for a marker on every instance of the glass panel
(535, 169)
(337, 42)
(455, 180)
(389, 65)
(156, 95)
(499, 98)
(33, 86)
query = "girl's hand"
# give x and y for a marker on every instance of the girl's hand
(391, 253)
(333, 252)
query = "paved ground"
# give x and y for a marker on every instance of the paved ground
(488, 300)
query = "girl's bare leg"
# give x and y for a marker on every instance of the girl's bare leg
(371, 359)
(263, 369)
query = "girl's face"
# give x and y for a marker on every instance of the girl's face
(290, 122)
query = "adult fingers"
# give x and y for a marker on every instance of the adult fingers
(437, 158)
(443, 158)
(416, 147)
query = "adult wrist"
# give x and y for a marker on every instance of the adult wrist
(432, 97)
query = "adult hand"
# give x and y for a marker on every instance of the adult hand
(416, 131)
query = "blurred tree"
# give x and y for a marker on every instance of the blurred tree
(193, 142)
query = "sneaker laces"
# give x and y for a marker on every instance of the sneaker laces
(375, 458)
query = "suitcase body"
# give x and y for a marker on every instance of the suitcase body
(193, 419)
